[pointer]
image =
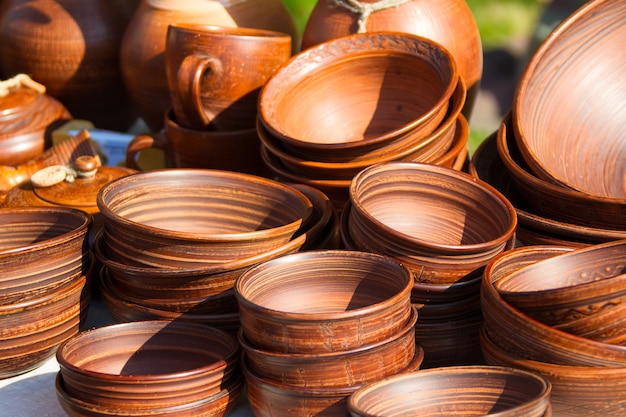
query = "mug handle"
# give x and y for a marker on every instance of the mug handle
(188, 87)
(145, 141)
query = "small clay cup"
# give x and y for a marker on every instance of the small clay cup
(215, 73)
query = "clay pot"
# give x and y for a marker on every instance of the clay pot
(456, 391)
(189, 218)
(323, 301)
(349, 95)
(72, 47)
(431, 19)
(147, 365)
(144, 42)
(561, 110)
(533, 227)
(28, 118)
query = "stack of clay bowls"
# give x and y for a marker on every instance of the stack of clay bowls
(317, 325)
(444, 226)
(456, 391)
(559, 311)
(563, 142)
(175, 240)
(44, 283)
(351, 102)
(149, 368)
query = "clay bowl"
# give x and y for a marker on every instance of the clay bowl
(455, 391)
(577, 391)
(180, 217)
(31, 331)
(217, 405)
(561, 110)
(442, 221)
(41, 249)
(149, 364)
(335, 369)
(519, 333)
(558, 291)
(406, 147)
(533, 228)
(358, 92)
(323, 301)
(270, 398)
(552, 201)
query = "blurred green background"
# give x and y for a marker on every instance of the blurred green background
(504, 25)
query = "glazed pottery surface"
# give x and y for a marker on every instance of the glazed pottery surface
(215, 73)
(144, 42)
(73, 48)
(562, 111)
(323, 301)
(456, 391)
(431, 19)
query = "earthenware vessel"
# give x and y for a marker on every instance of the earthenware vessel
(561, 110)
(143, 44)
(428, 18)
(73, 48)
(456, 391)
(28, 117)
(323, 301)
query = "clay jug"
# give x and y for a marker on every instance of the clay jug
(448, 22)
(143, 44)
(71, 47)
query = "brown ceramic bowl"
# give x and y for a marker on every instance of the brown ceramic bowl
(31, 331)
(149, 364)
(528, 338)
(455, 391)
(335, 369)
(217, 405)
(442, 222)
(569, 123)
(267, 397)
(181, 218)
(323, 301)
(41, 249)
(358, 91)
(552, 201)
(577, 391)
(561, 290)
(533, 227)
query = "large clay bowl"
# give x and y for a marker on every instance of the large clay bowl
(555, 202)
(569, 123)
(335, 369)
(180, 217)
(441, 220)
(41, 249)
(558, 291)
(455, 391)
(217, 405)
(31, 331)
(405, 147)
(577, 391)
(533, 228)
(270, 398)
(528, 338)
(323, 301)
(149, 364)
(359, 91)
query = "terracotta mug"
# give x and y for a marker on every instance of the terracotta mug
(215, 73)
(235, 150)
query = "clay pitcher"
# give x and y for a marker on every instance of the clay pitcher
(71, 47)
(143, 44)
(448, 22)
